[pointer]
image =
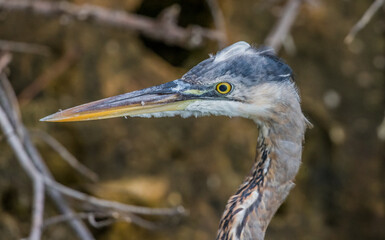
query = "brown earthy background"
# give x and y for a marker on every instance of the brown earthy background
(198, 163)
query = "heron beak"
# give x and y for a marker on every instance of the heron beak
(172, 96)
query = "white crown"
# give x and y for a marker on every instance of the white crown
(233, 50)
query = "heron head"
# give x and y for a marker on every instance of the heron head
(238, 81)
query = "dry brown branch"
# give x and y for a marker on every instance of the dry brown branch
(33, 165)
(112, 205)
(168, 32)
(92, 219)
(58, 199)
(64, 218)
(22, 47)
(138, 220)
(282, 28)
(5, 59)
(38, 184)
(9, 102)
(38, 208)
(8, 95)
(364, 20)
(109, 218)
(219, 21)
(28, 166)
(65, 154)
(53, 72)
(170, 15)
(9, 105)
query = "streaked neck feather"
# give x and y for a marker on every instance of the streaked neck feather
(250, 210)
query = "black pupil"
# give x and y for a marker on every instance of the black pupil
(223, 88)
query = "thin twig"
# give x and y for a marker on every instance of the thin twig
(22, 47)
(138, 221)
(53, 72)
(9, 102)
(38, 209)
(99, 224)
(112, 205)
(78, 226)
(7, 97)
(30, 169)
(112, 217)
(32, 163)
(38, 184)
(282, 28)
(5, 59)
(219, 21)
(64, 218)
(364, 20)
(90, 216)
(28, 166)
(10, 106)
(65, 154)
(172, 34)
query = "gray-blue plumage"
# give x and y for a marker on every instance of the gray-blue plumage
(251, 66)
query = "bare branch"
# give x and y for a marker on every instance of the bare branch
(58, 199)
(8, 99)
(138, 221)
(99, 224)
(64, 218)
(5, 59)
(169, 33)
(219, 21)
(65, 154)
(364, 20)
(90, 216)
(112, 205)
(112, 217)
(18, 149)
(22, 47)
(33, 165)
(170, 15)
(19, 131)
(282, 28)
(12, 138)
(38, 209)
(53, 72)
(38, 184)
(34, 173)
(9, 102)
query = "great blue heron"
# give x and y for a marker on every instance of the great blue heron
(239, 81)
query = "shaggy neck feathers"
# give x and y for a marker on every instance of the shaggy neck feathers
(278, 158)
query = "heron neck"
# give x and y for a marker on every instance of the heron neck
(278, 158)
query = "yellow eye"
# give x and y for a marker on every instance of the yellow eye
(223, 87)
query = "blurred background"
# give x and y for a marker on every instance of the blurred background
(199, 163)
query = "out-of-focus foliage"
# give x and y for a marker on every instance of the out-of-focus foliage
(199, 163)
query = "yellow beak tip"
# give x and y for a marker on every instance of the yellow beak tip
(51, 118)
(45, 119)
